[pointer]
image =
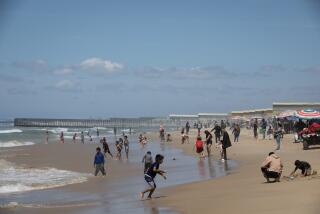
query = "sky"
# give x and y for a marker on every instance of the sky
(100, 59)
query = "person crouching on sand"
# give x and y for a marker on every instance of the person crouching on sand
(304, 166)
(99, 162)
(272, 167)
(199, 147)
(151, 174)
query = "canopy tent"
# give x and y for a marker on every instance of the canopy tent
(308, 114)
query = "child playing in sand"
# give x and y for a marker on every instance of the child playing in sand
(147, 160)
(304, 166)
(199, 147)
(151, 174)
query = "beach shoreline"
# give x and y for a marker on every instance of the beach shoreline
(245, 190)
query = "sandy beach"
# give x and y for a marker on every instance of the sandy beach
(242, 190)
(245, 190)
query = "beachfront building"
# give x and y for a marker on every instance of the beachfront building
(281, 107)
(254, 113)
(181, 119)
(211, 117)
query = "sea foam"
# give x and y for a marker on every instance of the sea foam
(15, 143)
(17, 179)
(8, 131)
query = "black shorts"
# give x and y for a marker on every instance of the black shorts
(270, 174)
(209, 142)
(150, 181)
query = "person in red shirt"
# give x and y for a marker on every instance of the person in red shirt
(199, 147)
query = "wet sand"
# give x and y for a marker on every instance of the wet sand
(245, 190)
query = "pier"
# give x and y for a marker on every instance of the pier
(114, 123)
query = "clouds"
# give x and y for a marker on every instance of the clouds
(100, 65)
(64, 85)
(89, 65)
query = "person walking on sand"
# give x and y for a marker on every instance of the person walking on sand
(263, 128)
(272, 167)
(277, 136)
(208, 141)
(151, 174)
(106, 148)
(225, 143)
(126, 146)
(236, 132)
(255, 129)
(61, 137)
(199, 147)
(82, 137)
(269, 132)
(147, 160)
(99, 162)
(187, 127)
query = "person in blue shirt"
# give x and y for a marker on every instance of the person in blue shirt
(99, 162)
(151, 174)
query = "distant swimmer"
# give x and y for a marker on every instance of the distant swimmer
(61, 137)
(98, 133)
(151, 174)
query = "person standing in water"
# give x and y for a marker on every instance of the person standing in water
(47, 136)
(97, 132)
(74, 137)
(151, 174)
(126, 146)
(208, 141)
(106, 147)
(82, 137)
(226, 143)
(61, 137)
(99, 162)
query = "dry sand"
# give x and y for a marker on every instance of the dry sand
(245, 190)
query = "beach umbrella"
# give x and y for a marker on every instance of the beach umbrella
(288, 113)
(308, 114)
